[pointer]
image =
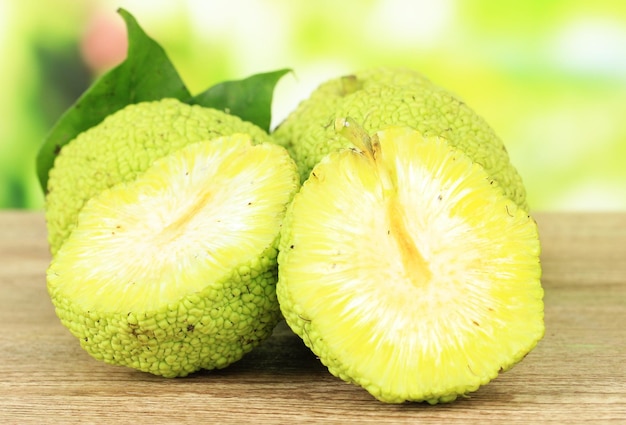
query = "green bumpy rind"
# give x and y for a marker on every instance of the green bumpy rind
(121, 147)
(382, 97)
(206, 330)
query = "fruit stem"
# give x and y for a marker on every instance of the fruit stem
(369, 146)
(349, 84)
(356, 134)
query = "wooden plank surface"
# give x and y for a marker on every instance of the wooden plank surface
(577, 373)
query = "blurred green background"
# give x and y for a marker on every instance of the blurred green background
(549, 76)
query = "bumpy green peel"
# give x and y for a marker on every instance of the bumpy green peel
(176, 270)
(382, 97)
(125, 144)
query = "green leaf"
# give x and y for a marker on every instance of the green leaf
(146, 74)
(250, 98)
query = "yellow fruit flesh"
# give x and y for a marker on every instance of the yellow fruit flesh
(176, 270)
(421, 293)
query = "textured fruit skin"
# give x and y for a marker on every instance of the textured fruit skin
(206, 330)
(306, 225)
(382, 97)
(125, 144)
(175, 312)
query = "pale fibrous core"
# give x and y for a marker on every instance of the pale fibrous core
(407, 271)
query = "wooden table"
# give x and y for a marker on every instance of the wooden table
(576, 374)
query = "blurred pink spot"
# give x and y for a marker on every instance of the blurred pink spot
(104, 41)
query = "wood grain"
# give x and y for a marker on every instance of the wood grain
(576, 374)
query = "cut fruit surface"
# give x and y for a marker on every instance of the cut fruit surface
(408, 272)
(176, 270)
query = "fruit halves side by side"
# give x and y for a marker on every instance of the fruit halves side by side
(408, 261)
